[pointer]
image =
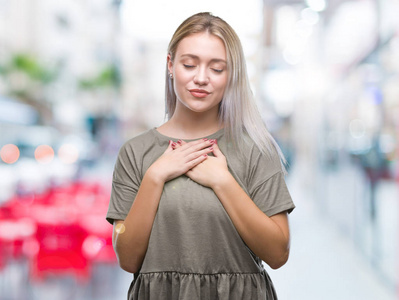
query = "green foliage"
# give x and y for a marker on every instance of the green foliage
(108, 77)
(29, 65)
(2, 70)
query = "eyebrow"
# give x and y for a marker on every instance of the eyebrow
(212, 60)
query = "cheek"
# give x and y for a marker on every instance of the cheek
(180, 86)
(181, 79)
(221, 84)
(177, 80)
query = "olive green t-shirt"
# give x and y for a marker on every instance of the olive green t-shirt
(194, 251)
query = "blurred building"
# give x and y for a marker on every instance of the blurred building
(330, 71)
(77, 40)
(59, 86)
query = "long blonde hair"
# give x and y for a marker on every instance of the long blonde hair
(238, 112)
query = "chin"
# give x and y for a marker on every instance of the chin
(200, 109)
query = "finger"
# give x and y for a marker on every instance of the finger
(216, 150)
(198, 153)
(179, 143)
(195, 145)
(205, 143)
(196, 161)
(170, 147)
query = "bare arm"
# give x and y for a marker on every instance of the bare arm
(131, 236)
(267, 237)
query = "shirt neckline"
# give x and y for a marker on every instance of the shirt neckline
(165, 137)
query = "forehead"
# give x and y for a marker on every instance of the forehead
(202, 45)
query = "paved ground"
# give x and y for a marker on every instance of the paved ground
(324, 264)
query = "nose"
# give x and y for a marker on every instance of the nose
(201, 77)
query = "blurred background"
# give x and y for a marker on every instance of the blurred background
(78, 78)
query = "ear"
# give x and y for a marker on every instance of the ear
(170, 63)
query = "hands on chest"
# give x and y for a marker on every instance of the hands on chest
(209, 171)
(192, 159)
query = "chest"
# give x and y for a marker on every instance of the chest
(183, 199)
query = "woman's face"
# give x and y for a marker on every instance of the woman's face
(199, 72)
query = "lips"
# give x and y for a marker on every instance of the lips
(199, 93)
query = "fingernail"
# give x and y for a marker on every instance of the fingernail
(179, 141)
(212, 141)
(173, 144)
(211, 148)
(205, 139)
(205, 155)
(216, 141)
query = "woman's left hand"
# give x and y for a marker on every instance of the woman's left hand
(212, 170)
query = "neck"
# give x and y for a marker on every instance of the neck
(191, 125)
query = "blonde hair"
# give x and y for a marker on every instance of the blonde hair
(238, 112)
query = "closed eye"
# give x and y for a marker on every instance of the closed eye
(188, 66)
(218, 70)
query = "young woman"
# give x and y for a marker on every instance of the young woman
(200, 201)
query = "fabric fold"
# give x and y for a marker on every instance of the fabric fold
(186, 286)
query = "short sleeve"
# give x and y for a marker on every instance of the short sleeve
(266, 184)
(272, 196)
(126, 181)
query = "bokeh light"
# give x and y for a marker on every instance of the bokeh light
(92, 245)
(120, 228)
(68, 153)
(317, 5)
(9, 153)
(310, 16)
(357, 128)
(44, 154)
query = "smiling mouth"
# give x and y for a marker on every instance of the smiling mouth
(199, 93)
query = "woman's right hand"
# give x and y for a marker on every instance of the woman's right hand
(175, 162)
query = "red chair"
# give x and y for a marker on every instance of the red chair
(13, 235)
(70, 232)
(60, 252)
